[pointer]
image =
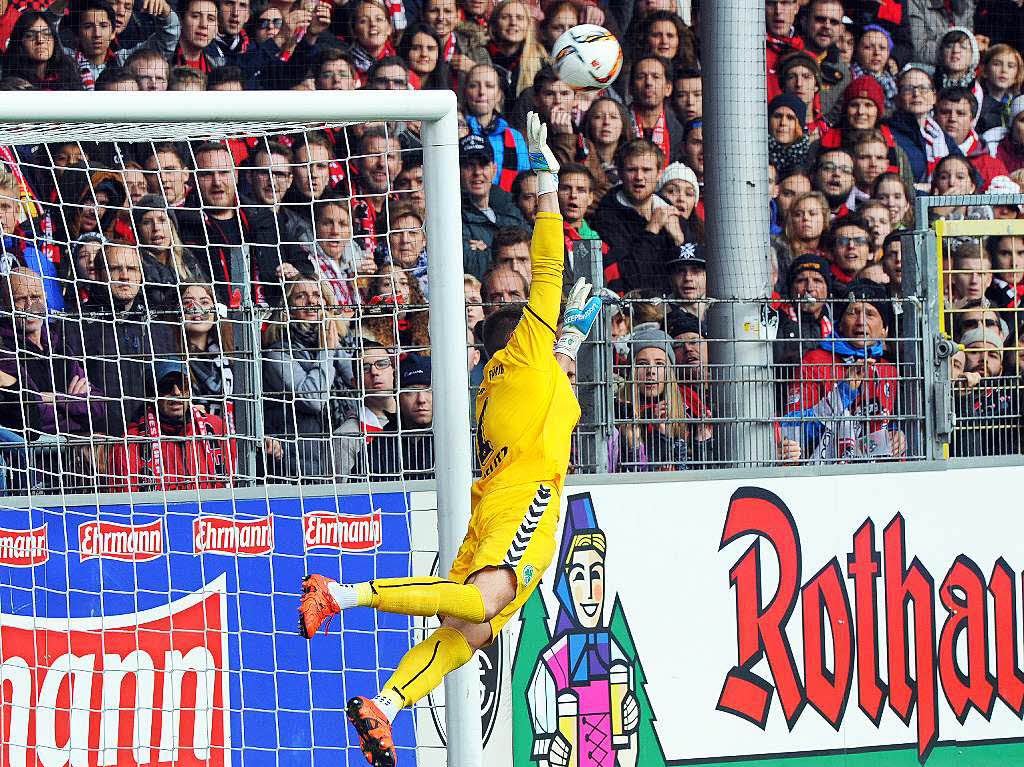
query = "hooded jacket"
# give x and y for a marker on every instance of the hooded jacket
(922, 155)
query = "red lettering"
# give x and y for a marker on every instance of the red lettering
(903, 586)
(1009, 679)
(967, 614)
(827, 691)
(864, 566)
(761, 632)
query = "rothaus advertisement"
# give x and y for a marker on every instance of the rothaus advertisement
(871, 620)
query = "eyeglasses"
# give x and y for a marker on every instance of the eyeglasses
(38, 35)
(832, 22)
(831, 167)
(913, 90)
(381, 364)
(844, 242)
(271, 23)
(399, 82)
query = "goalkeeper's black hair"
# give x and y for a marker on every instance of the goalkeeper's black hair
(498, 327)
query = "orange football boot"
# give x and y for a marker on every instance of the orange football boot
(374, 731)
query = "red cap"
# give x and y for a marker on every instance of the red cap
(865, 87)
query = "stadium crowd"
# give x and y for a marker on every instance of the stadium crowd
(126, 263)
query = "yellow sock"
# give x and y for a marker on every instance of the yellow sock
(425, 665)
(424, 596)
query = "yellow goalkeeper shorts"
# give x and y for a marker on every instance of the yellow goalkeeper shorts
(512, 527)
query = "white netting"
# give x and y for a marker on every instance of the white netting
(214, 327)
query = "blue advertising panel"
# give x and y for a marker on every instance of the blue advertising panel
(167, 633)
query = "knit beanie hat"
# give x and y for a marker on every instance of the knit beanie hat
(792, 101)
(148, 204)
(798, 59)
(810, 262)
(865, 87)
(874, 294)
(980, 334)
(650, 336)
(678, 171)
(1016, 107)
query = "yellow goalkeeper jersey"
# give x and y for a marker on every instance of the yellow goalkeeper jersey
(526, 409)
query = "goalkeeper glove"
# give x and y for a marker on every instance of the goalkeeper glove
(542, 159)
(578, 320)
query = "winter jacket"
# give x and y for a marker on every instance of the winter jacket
(161, 455)
(929, 20)
(477, 226)
(298, 381)
(511, 155)
(799, 333)
(122, 342)
(921, 156)
(636, 258)
(1011, 153)
(47, 369)
(988, 419)
(977, 151)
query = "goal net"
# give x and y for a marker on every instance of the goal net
(216, 373)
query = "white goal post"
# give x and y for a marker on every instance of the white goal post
(31, 117)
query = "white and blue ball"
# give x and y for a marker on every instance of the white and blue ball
(587, 57)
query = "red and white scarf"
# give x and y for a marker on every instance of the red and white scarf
(659, 134)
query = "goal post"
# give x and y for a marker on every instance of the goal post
(42, 117)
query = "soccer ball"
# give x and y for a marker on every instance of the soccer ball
(587, 57)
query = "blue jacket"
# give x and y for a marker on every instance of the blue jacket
(502, 137)
(908, 137)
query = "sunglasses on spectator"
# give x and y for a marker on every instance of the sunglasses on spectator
(831, 167)
(167, 383)
(974, 323)
(271, 23)
(382, 364)
(843, 241)
(913, 90)
(832, 22)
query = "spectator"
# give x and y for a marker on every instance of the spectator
(397, 311)
(1001, 78)
(896, 195)
(971, 273)
(43, 387)
(485, 207)
(408, 186)
(955, 113)
(165, 262)
(806, 318)
(553, 101)
(800, 75)
(168, 173)
(892, 260)
(93, 202)
(333, 69)
(463, 44)
(226, 78)
(377, 164)
(888, 15)
(575, 197)
(232, 17)
(18, 246)
(115, 79)
(651, 118)
(311, 175)
(370, 34)
(174, 445)
(482, 100)
(376, 414)
(524, 193)
(268, 181)
(514, 49)
(474, 301)
(206, 344)
(511, 250)
(978, 314)
(688, 277)
(408, 244)
(678, 185)
(842, 404)
(649, 412)
(150, 69)
(196, 48)
(928, 24)
(833, 177)
(780, 16)
(691, 359)
(421, 50)
(806, 222)
(912, 126)
(501, 285)
(34, 54)
(665, 35)
(604, 129)
(642, 231)
(849, 243)
(558, 17)
(873, 58)
(688, 95)
(954, 175)
(957, 62)
(84, 252)
(388, 73)
(226, 222)
(870, 161)
(134, 181)
(875, 217)
(791, 186)
(121, 338)
(338, 260)
(1011, 148)
(988, 414)
(822, 22)
(303, 361)
(1007, 258)
(789, 147)
(1004, 185)
(415, 415)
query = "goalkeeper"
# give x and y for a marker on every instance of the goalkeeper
(525, 413)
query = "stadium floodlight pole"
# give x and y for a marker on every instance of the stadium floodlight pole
(736, 193)
(35, 116)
